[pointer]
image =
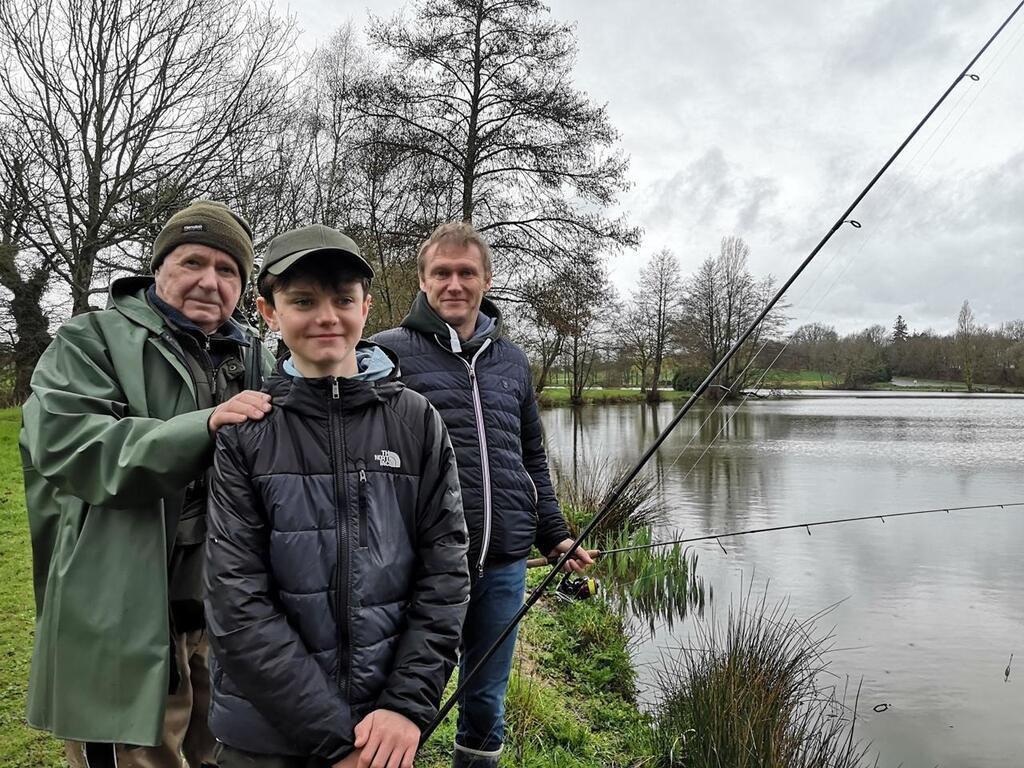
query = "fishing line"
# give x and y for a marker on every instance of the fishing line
(538, 591)
(797, 526)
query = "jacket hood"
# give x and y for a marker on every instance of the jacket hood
(312, 397)
(423, 319)
(128, 296)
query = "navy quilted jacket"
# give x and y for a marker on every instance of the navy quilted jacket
(337, 580)
(485, 395)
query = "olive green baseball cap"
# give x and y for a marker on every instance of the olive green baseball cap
(288, 248)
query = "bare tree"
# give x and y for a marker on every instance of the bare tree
(660, 289)
(547, 317)
(586, 295)
(720, 301)
(815, 347)
(484, 88)
(966, 343)
(130, 105)
(24, 278)
(635, 332)
(862, 358)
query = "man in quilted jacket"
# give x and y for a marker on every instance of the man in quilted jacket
(453, 352)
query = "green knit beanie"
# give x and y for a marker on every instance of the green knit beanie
(207, 222)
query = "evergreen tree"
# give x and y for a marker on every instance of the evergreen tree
(899, 330)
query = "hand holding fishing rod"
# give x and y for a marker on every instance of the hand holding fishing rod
(577, 564)
(703, 386)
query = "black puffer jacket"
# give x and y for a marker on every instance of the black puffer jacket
(506, 487)
(336, 579)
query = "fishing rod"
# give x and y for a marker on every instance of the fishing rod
(844, 218)
(539, 562)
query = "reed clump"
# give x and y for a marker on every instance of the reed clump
(748, 694)
(658, 585)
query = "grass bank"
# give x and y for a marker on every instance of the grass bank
(776, 379)
(555, 396)
(20, 746)
(571, 694)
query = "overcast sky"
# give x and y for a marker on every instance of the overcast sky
(765, 119)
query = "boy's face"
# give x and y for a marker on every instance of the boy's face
(321, 326)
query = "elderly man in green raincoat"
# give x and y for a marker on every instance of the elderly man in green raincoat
(116, 441)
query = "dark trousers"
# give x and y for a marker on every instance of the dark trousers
(494, 599)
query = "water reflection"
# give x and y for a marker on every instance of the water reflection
(932, 608)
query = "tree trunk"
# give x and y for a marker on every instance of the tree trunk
(81, 280)
(653, 395)
(31, 325)
(546, 362)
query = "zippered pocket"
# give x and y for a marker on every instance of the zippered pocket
(364, 534)
(533, 487)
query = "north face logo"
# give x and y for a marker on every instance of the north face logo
(389, 459)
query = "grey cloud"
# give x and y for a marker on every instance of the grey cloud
(897, 32)
(713, 193)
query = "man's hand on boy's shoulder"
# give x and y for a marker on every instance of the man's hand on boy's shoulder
(385, 739)
(249, 404)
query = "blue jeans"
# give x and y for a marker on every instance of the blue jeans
(494, 599)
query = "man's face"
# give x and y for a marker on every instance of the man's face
(321, 326)
(455, 283)
(202, 283)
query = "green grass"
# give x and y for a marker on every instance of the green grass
(20, 746)
(778, 379)
(552, 396)
(571, 694)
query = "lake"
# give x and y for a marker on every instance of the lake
(929, 607)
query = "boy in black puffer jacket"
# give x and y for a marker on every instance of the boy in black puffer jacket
(337, 579)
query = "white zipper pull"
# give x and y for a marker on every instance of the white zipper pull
(362, 475)
(334, 389)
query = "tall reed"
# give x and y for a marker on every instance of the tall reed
(749, 694)
(658, 585)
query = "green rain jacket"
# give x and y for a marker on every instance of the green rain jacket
(110, 440)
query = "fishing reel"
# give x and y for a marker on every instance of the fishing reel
(572, 588)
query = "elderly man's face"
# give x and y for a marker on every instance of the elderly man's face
(202, 283)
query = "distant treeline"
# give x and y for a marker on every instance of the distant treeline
(974, 355)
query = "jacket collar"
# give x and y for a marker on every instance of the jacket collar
(423, 319)
(312, 397)
(228, 331)
(128, 296)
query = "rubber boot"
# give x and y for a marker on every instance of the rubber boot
(463, 757)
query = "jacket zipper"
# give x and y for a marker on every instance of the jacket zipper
(341, 528)
(536, 496)
(363, 523)
(179, 353)
(211, 369)
(485, 465)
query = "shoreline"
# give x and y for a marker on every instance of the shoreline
(558, 397)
